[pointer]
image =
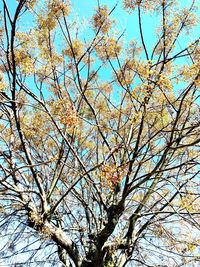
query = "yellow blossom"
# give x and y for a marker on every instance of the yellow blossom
(107, 48)
(101, 20)
(75, 50)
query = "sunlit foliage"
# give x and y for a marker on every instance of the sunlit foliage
(99, 135)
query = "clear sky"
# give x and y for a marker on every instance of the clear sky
(84, 10)
(124, 21)
(129, 22)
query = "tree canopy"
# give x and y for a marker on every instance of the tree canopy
(99, 134)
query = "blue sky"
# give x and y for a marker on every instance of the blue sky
(84, 9)
(124, 21)
(129, 22)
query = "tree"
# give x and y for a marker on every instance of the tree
(99, 157)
